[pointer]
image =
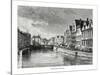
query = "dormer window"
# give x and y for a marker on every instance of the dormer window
(83, 28)
(86, 27)
(91, 23)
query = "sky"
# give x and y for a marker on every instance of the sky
(49, 21)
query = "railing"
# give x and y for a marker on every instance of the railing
(20, 56)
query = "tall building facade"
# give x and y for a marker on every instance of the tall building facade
(73, 34)
(84, 32)
(87, 34)
(67, 37)
(24, 39)
(80, 34)
(79, 24)
(70, 35)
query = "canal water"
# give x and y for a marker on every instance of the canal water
(47, 58)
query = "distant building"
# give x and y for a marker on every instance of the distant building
(24, 39)
(73, 35)
(44, 41)
(67, 37)
(70, 35)
(36, 40)
(59, 40)
(51, 41)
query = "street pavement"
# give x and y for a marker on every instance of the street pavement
(72, 52)
(82, 58)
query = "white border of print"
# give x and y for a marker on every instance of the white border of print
(16, 70)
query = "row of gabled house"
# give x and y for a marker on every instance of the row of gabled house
(80, 34)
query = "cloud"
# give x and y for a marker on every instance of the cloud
(48, 21)
(39, 23)
(53, 15)
(39, 31)
(25, 25)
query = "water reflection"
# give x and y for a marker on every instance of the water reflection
(44, 58)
